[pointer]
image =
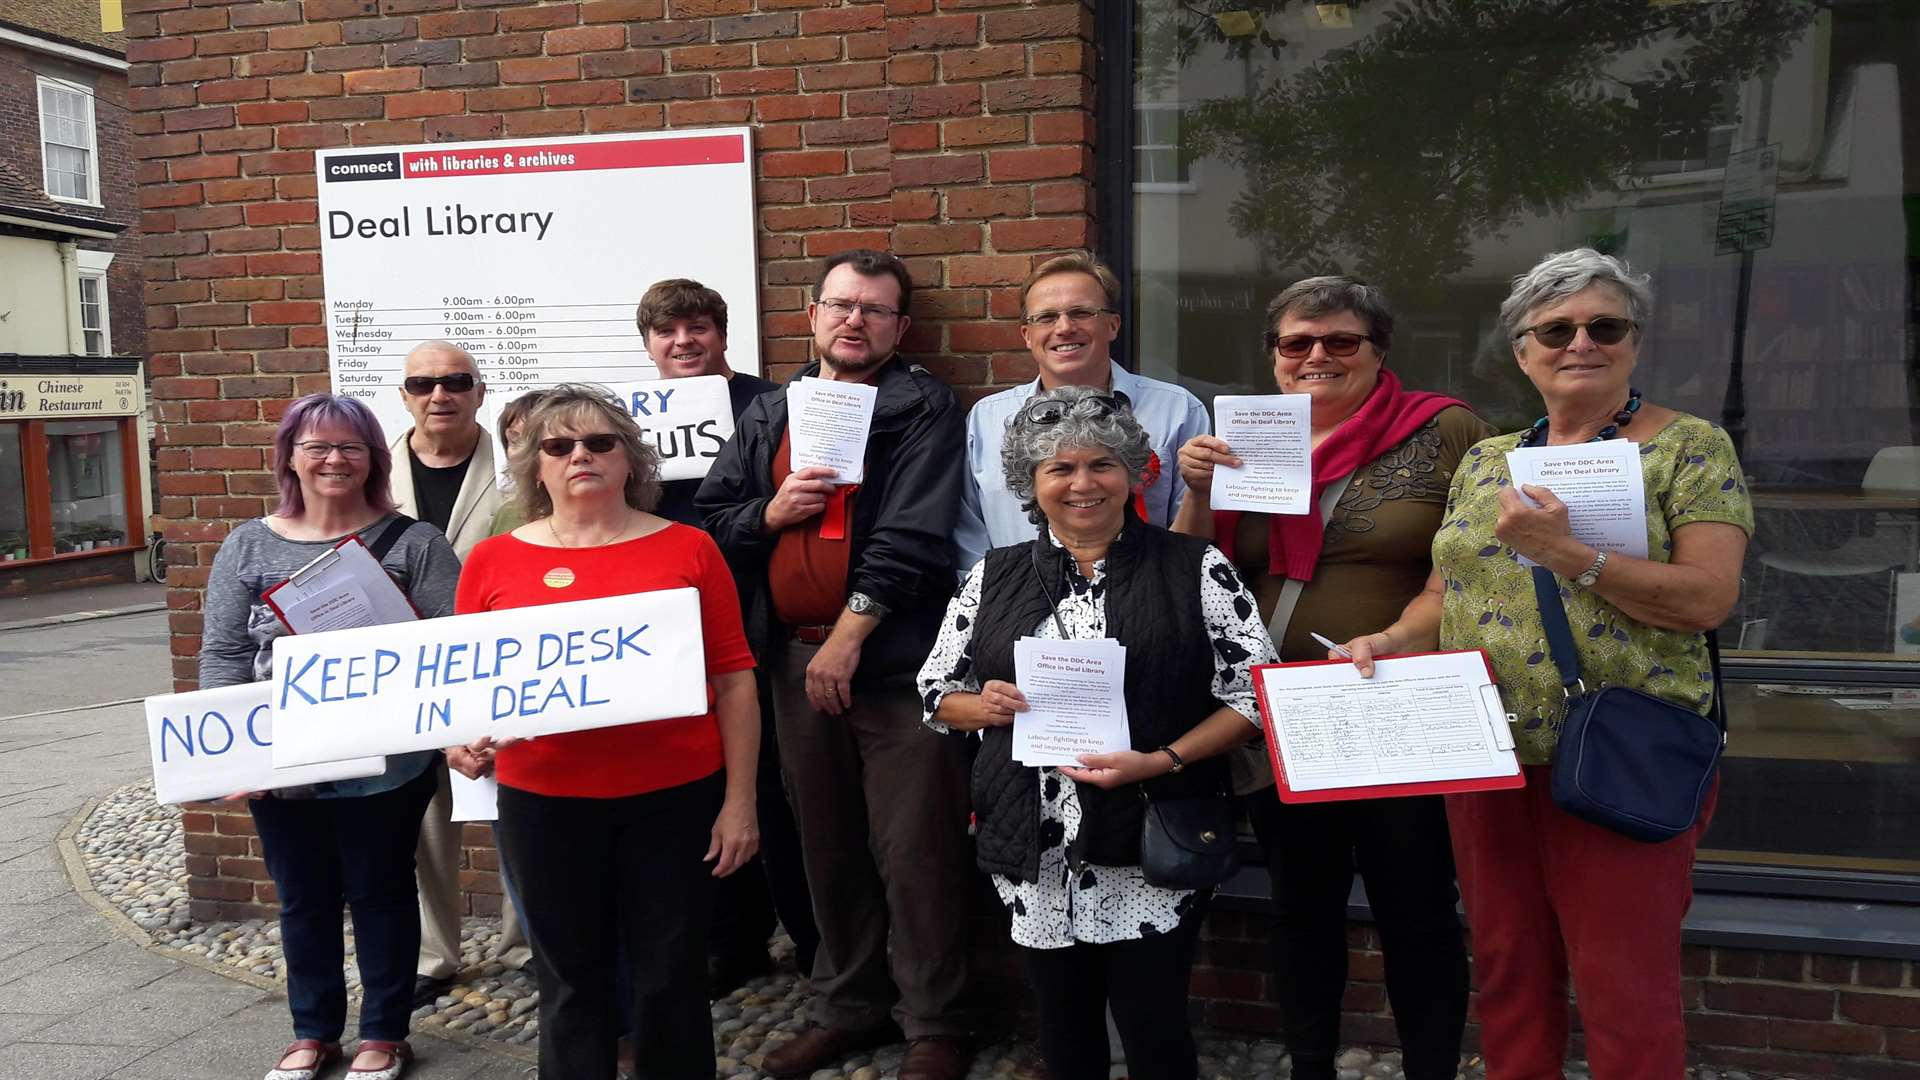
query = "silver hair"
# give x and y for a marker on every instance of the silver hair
(1085, 426)
(1565, 273)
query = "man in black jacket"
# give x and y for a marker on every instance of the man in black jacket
(881, 801)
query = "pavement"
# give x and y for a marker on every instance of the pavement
(84, 995)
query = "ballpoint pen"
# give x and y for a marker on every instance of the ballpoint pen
(1337, 648)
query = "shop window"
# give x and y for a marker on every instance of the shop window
(14, 542)
(1158, 164)
(67, 142)
(87, 485)
(1760, 160)
(93, 314)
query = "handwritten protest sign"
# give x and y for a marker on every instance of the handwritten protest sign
(525, 671)
(213, 743)
(687, 420)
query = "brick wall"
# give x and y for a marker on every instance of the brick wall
(955, 132)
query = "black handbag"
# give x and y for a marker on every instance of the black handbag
(1188, 843)
(1628, 761)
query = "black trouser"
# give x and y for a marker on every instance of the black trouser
(1144, 982)
(1403, 853)
(598, 873)
(774, 883)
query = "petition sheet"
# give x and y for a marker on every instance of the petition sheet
(829, 424)
(1272, 436)
(1075, 700)
(343, 589)
(1601, 485)
(1419, 719)
(474, 800)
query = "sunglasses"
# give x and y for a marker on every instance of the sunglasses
(1558, 333)
(422, 385)
(1295, 346)
(595, 444)
(1053, 411)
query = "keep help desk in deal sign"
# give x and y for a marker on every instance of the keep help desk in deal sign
(525, 671)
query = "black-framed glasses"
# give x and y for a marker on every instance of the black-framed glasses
(842, 310)
(1053, 410)
(1558, 333)
(595, 444)
(422, 385)
(1079, 316)
(318, 450)
(1295, 346)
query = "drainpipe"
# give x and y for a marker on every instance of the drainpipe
(70, 274)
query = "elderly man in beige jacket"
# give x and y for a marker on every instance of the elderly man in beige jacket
(444, 474)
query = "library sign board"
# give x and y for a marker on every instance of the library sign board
(530, 254)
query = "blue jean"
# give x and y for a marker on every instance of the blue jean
(354, 852)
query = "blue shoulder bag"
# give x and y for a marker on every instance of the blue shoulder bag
(1628, 761)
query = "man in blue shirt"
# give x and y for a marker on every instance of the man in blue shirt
(1069, 319)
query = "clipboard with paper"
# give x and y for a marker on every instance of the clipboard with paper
(1425, 724)
(345, 588)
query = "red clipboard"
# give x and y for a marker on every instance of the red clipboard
(1377, 791)
(318, 561)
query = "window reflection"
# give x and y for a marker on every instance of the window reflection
(13, 496)
(87, 484)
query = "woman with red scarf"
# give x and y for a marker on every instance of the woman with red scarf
(1383, 458)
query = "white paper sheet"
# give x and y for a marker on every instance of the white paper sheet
(342, 589)
(1601, 485)
(1076, 701)
(687, 420)
(209, 744)
(475, 800)
(1273, 437)
(1419, 719)
(828, 425)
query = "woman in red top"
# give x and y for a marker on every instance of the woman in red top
(603, 827)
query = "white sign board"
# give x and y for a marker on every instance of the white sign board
(529, 253)
(522, 671)
(209, 744)
(687, 420)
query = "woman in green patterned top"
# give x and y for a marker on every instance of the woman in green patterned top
(1549, 895)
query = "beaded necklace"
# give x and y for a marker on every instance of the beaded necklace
(1537, 434)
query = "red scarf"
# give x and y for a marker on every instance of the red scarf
(1385, 420)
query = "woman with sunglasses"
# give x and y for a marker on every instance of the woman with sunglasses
(1382, 459)
(348, 843)
(1063, 842)
(1549, 895)
(651, 812)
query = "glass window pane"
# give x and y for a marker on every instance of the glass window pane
(89, 493)
(13, 496)
(66, 122)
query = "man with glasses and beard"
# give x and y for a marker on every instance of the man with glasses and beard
(444, 474)
(881, 802)
(1069, 319)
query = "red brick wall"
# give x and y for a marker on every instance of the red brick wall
(957, 133)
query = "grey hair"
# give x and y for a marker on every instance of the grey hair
(1332, 294)
(1084, 427)
(1564, 273)
(587, 408)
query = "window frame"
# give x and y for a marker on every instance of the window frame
(1161, 187)
(105, 329)
(44, 83)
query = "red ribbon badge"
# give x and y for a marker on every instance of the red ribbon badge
(833, 520)
(1147, 478)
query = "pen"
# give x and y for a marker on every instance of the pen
(1337, 649)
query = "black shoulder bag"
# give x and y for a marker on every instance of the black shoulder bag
(1626, 760)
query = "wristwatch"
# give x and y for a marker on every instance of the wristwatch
(861, 604)
(1592, 574)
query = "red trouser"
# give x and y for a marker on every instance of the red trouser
(1547, 893)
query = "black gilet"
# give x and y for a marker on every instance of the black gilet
(1152, 588)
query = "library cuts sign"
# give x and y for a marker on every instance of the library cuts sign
(530, 254)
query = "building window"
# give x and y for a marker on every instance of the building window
(67, 142)
(93, 314)
(15, 542)
(1722, 153)
(1158, 164)
(87, 485)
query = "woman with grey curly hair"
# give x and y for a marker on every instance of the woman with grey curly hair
(632, 802)
(1063, 842)
(1549, 894)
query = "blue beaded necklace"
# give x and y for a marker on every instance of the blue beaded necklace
(1537, 434)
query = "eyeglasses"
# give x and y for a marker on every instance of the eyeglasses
(1295, 346)
(595, 444)
(1558, 333)
(422, 385)
(1053, 410)
(842, 310)
(320, 451)
(1079, 316)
